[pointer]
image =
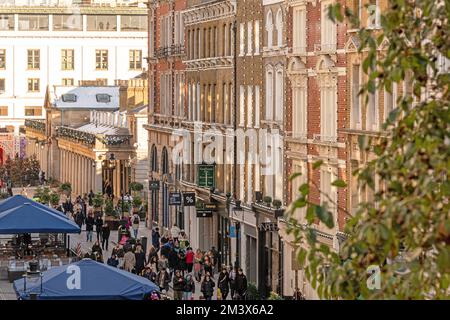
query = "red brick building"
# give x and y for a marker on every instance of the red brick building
(167, 104)
(315, 112)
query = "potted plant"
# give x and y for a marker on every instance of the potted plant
(98, 202)
(267, 200)
(45, 196)
(136, 186)
(66, 188)
(111, 215)
(277, 203)
(274, 296)
(54, 199)
(137, 203)
(252, 292)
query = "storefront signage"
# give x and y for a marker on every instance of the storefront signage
(175, 199)
(154, 185)
(189, 199)
(206, 175)
(204, 213)
(268, 226)
(232, 232)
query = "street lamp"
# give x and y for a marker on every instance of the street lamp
(31, 279)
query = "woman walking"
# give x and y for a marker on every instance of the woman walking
(207, 287)
(189, 287)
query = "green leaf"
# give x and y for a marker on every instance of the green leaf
(304, 189)
(310, 215)
(317, 164)
(339, 183)
(295, 175)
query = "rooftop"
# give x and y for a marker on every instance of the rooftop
(85, 97)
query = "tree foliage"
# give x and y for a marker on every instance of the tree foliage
(406, 229)
(21, 171)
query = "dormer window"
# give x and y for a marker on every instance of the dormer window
(69, 97)
(103, 97)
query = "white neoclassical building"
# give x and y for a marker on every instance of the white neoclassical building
(57, 42)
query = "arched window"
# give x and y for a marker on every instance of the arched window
(269, 29)
(279, 28)
(165, 161)
(154, 158)
(269, 93)
(279, 94)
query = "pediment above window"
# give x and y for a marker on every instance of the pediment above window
(352, 44)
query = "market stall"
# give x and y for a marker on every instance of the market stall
(85, 280)
(36, 232)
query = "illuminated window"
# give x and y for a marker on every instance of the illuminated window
(33, 85)
(34, 59)
(67, 59)
(135, 59)
(33, 111)
(101, 59)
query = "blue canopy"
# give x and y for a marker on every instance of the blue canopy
(28, 218)
(18, 200)
(97, 281)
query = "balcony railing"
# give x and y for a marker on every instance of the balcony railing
(114, 140)
(37, 125)
(173, 50)
(76, 135)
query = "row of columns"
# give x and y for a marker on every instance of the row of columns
(83, 173)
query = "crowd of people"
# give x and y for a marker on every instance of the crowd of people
(171, 263)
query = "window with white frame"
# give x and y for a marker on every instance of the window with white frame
(298, 167)
(390, 100)
(300, 113)
(241, 105)
(269, 94)
(356, 98)
(279, 28)
(328, 109)
(257, 105)
(256, 37)
(279, 95)
(279, 185)
(373, 14)
(328, 29)
(250, 38)
(372, 112)
(269, 29)
(250, 106)
(249, 191)
(329, 194)
(241, 39)
(299, 36)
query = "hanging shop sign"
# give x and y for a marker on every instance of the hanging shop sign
(175, 199)
(189, 199)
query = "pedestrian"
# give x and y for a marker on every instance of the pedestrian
(198, 259)
(189, 259)
(89, 227)
(223, 283)
(140, 260)
(215, 257)
(96, 249)
(152, 259)
(241, 285)
(207, 266)
(79, 219)
(98, 226)
(178, 285)
(189, 287)
(113, 261)
(105, 236)
(155, 238)
(163, 263)
(91, 196)
(232, 275)
(149, 274)
(129, 261)
(175, 232)
(120, 253)
(182, 261)
(9, 187)
(135, 225)
(163, 279)
(173, 260)
(207, 287)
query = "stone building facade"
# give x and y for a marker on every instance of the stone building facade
(210, 71)
(167, 107)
